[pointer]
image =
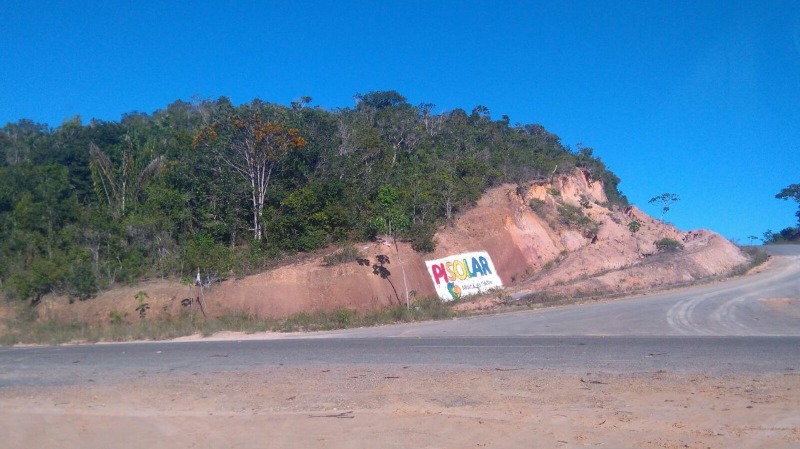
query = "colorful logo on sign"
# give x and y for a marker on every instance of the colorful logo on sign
(463, 275)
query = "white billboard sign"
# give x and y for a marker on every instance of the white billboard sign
(463, 275)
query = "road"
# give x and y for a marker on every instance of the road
(754, 305)
(748, 324)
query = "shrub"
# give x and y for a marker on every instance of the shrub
(81, 281)
(204, 253)
(431, 307)
(573, 216)
(421, 237)
(757, 255)
(538, 207)
(343, 317)
(668, 245)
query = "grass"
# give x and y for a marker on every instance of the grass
(28, 330)
(757, 257)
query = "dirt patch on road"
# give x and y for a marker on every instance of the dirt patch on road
(786, 306)
(399, 407)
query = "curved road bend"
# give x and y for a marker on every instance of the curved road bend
(763, 304)
(746, 325)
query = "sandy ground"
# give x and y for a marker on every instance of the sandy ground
(402, 407)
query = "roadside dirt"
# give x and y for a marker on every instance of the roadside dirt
(400, 407)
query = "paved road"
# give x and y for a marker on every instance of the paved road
(755, 305)
(743, 325)
(110, 364)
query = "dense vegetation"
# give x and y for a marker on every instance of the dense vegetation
(789, 234)
(230, 190)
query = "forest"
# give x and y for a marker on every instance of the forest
(233, 190)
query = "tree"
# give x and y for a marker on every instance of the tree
(81, 207)
(789, 234)
(122, 186)
(791, 192)
(665, 200)
(380, 99)
(391, 221)
(253, 147)
(18, 139)
(634, 227)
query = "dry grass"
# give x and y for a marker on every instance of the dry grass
(26, 329)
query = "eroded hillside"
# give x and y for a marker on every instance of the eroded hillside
(555, 237)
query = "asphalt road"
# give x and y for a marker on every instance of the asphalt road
(738, 326)
(101, 364)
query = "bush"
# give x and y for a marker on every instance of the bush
(203, 253)
(431, 307)
(668, 245)
(538, 207)
(421, 237)
(573, 216)
(81, 281)
(757, 255)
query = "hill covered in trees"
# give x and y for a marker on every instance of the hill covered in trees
(230, 190)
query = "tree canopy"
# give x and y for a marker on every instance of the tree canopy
(230, 189)
(790, 233)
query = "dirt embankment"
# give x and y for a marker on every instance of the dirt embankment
(556, 236)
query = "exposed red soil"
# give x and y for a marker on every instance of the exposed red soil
(530, 252)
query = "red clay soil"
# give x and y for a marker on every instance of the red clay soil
(530, 251)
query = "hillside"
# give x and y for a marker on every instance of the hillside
(543, 249)
(236, 190)
(283, 210)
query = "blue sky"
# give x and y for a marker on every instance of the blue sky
(701, 99)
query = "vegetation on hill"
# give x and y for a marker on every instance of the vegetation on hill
(789, 234)
(229, 190)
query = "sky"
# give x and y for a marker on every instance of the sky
(696, 98)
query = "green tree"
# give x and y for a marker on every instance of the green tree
(665, 201)
(634, 227)
(791, 192)
(380, 99)
(391, 221)
(123, 185)
(252, 146)
(18, 140)
(391, 218)
(790, 233)
(81, 207)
